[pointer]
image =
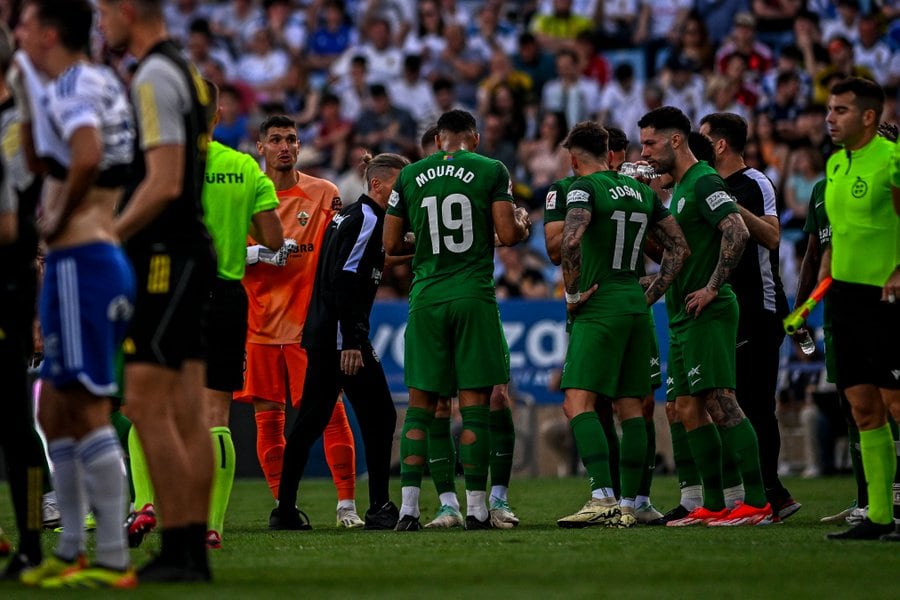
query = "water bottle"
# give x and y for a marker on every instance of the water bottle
(807, 344)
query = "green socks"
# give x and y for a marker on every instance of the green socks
(634, 455)
(442, 456)
(223, 477)
(503, 444)
(688, 475)
(880, 463)
(475, 456)
(649, 460)
(140, 474)
(706, 447)
(416, 424)
(592, 447)
(741, 445)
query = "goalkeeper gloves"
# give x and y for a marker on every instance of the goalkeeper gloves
(257, 254)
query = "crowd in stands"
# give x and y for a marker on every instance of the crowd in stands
(373, 75)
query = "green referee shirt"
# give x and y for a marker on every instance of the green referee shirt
(865, 231)
(895, 166)
(235, 189)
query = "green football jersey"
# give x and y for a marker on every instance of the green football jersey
(895, 166)
(612, 249)
(555, 202)
(235, 189)
(816, 218)
(699, 201)
(445, 199)
(865, 231)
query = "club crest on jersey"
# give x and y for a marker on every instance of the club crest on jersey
(551, 200)
(303, 218)
(336, 204)
(860, 188)
(717, 199)
(680, 206)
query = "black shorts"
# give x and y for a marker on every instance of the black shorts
(226, 336)
(865, 333)
(171, 306)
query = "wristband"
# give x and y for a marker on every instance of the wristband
(573, 298)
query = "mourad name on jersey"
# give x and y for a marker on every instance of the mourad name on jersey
(460, 173)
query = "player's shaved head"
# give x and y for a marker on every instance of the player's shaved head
(666, 118)
(588, 137)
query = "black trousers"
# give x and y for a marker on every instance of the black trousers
(759, 341)
(20, 442)
(371, 400)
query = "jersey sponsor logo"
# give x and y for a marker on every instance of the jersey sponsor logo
(224, 178)
(460, 173)
(680, 205)
(303, 218)
(394, 200)
(338, 219)
(577, 196)
(670, 383)
(550, 203)
(119, 309)
(694, 375)
(717, 199)
(859, 188)
(336, 203)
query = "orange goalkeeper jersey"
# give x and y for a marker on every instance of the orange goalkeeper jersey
(279, 296)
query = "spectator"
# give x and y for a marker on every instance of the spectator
(384, 61)
(386, 128)
(683, 87)
(494, 145)
(329, 39)
(772, 151)
(809, 41)
(301, 98)
(461, 63)
(658, 26)
(352, 182)
(774, 21)
(263, 66)
(748, 91)
(413, 94)
(805, 168)
(233, 126)
(286, 25)
(785, 106)
(491, 33)
(790, 60)
(544, 159)
(427, 40)
(617, 20)
(353, 89)
(402, 13)
(845, 24)
(718, 15)
(504, 102)
(619, 99)
(593, 65)
(692, 43)
(445, 100)
(331, 135)
(721, 97)
(842, 64)
(742, 41)
(453, 12)
(535, 61)
(812, 130)
(501, 72)
(872, 53)
(572, 93)
(232, 19)
(558, 29)
(180, 14)
(201, 47)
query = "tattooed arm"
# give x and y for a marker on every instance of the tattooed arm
(669, 235)
(734, 238)
(577, 220)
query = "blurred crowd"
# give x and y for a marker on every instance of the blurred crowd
(373, 75)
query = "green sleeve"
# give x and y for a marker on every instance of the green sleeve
(580, 195)
(266, 198)
(555, 204)
(396, 203)
(714, 200)
(502, 190)
(815, 199)
(660, 212)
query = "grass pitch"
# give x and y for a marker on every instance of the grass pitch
(536, 560)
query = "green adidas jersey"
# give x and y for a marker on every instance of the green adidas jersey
(555, 202)
(865, 230)
(699, 202)
(445, 199)
(235, 189)
(816, 218)
(612, 249)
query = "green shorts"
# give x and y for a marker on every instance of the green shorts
(655, 368)
(458, 345)
(609, 357)
(702, 353)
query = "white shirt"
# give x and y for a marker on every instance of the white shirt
(260, 70)
(416, 98)
(383, 66)
(579, 101)
(877, 59)
(663, 14)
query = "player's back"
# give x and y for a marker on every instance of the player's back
(279, 296)
(446, 199)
